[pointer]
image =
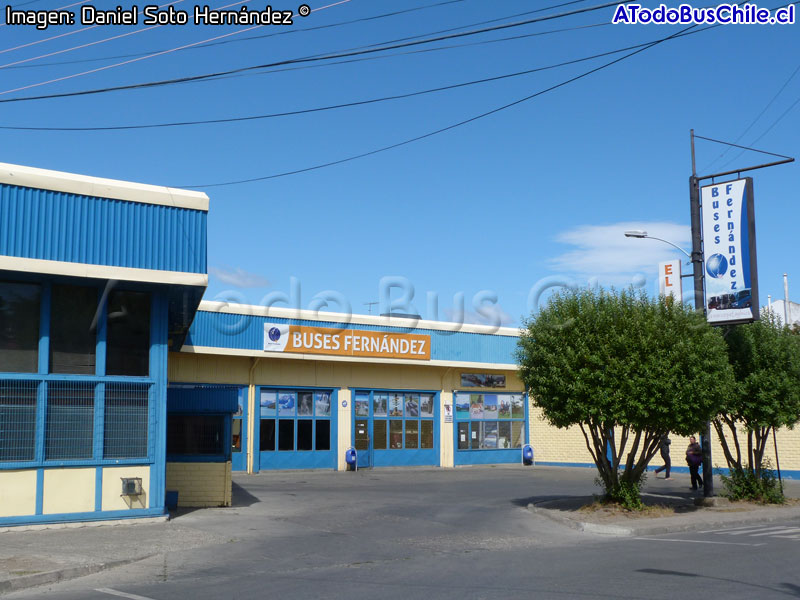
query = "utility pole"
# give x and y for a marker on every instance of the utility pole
(698, 260)
(699, 302)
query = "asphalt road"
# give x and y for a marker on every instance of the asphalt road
(462, 533)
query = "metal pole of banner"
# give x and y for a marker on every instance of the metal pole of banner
(699, 302)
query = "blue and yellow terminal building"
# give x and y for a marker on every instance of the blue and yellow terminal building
(122, 392)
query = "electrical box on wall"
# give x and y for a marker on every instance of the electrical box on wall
(131, 486)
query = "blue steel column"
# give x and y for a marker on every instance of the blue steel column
(158, 398)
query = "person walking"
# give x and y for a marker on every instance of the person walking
(663, 446)
(694, 458)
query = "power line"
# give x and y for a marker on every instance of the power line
(708, 139)
(307, 29)
(449, 127)
(342, 105)
(86, 45)
(61, 35)
(754, 121)
(302, 60)
(3, 24)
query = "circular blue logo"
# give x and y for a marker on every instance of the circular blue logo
(716, 265)
(274, 334)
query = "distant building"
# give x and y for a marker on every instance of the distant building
(777, 309)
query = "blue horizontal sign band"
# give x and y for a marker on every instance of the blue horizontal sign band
(246, 332)
(64, 227)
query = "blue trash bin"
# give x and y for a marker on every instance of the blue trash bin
(351, 458)
(527, 455)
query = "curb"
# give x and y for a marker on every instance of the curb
(79, 524)
(662, 528)
(29, 581)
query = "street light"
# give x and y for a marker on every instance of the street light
(639, 233)
(708, 477)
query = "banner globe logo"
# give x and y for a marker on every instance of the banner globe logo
(716, 265)
(274, 334)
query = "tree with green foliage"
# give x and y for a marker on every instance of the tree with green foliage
(766, 363)
(626, 369)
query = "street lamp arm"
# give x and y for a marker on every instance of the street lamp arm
(689, 256)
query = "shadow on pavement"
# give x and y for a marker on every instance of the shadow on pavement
(677, 503)
(241, 497)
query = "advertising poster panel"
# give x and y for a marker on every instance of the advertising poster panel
(729, 252)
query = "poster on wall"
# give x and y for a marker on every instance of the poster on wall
(729, 252)
(490, 406)
(396, 406)
(462, 406)
(362, 405)
(286, 404)
(483, 380)
(268, 403)
(305, 404)
(504, 407)
(322, 404)
(380, 403)
(517, 407)
(412, 405)
(489, 440)
(476, 406)
(426, 406)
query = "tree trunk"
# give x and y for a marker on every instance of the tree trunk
(718, 427)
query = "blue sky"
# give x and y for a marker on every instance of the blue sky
(540, 191)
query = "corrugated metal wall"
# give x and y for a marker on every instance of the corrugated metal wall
(223, 330)
(81, 229)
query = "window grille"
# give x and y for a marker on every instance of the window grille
(17, 420)
(126, 419)
(70, 420)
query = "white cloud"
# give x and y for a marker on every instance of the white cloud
(238, 277)
(603, 251)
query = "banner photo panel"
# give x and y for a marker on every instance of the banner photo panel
(729, 251)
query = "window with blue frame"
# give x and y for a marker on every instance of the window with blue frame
(490, 421)
(54, 367)
(400, 420)
(295, 420)
(19, 327)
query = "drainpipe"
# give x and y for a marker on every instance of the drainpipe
(251, 413)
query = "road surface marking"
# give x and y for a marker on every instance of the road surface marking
(121, 594)
(728, 529)
(781, 532)
(697, 541)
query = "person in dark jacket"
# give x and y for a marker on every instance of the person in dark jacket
(694, 458)
(663, 446)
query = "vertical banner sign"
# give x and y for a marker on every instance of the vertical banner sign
(669, 279)
(729, 252)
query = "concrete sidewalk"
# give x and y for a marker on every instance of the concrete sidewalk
(38, 555)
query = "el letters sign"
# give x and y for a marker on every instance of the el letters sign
(280, 337)
(669, 279)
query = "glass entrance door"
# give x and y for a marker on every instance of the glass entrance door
(363, 443)
(401, 427)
